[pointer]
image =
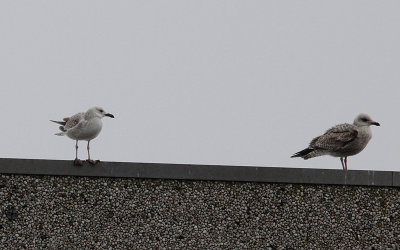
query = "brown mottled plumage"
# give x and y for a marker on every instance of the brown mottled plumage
(342, 140)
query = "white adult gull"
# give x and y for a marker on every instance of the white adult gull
(342, 140)
(83, 126)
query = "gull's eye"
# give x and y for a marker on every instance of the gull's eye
(101, 110)
(364, 119)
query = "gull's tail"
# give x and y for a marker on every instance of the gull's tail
(309, 153)
(58, 122)
(303, 153)
(61, 127)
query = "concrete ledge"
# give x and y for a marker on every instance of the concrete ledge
(201, 172)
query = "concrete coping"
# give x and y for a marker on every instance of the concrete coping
(201, 172)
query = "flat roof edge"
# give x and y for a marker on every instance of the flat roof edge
(201, 172)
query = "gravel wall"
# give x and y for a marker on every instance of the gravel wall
(104, 213)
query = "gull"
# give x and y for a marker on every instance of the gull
(342, 140)
(83, 126)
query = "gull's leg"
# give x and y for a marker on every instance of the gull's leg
(88, 152)
(77, 162)
(345, 161)
(341, 160)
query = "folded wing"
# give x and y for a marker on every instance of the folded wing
(73, 121)
(335, 138)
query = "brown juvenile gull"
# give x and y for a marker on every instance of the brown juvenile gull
(83, 126)
(342, 140)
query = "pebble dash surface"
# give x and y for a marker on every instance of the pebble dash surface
(114, 213)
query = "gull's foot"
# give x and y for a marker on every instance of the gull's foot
(78, 162)
(93, 162)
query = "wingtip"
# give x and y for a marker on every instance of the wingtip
(295, 155)
(303, 153)
(58, 122)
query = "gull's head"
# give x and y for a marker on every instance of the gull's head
(364, 120)
(99, 112)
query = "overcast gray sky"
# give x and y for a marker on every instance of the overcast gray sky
(205, 82)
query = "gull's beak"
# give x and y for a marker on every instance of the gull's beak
(374, 123)
(109, 115)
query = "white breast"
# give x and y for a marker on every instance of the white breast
(87, 131)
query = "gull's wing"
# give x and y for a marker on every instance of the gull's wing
(73, 121)
(335, 138)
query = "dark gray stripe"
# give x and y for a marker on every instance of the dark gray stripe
(201, 172)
